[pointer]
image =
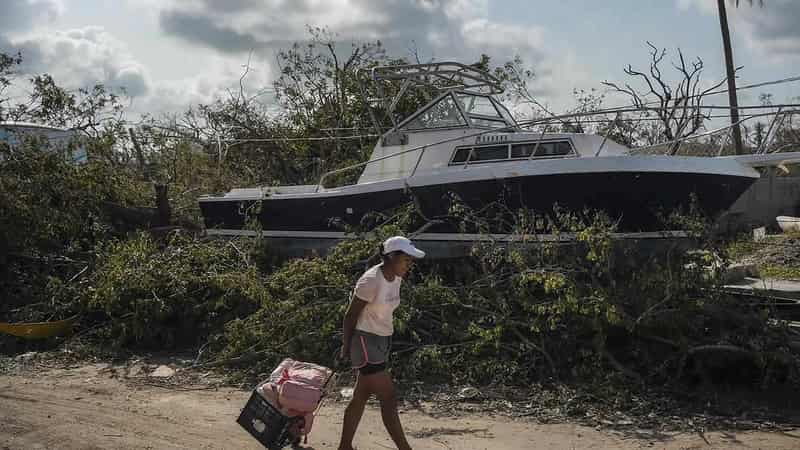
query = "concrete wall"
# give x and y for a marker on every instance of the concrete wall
(767, 198)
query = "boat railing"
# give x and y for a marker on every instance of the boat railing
(435, 76)
(779, 115)
(782, 112)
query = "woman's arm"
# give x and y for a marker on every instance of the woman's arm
(350, 319)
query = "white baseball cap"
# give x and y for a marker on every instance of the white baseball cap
(401, 244)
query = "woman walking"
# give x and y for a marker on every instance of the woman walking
(367, 338)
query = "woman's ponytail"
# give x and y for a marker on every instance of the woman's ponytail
(376, 257)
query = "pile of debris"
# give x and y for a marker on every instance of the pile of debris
(782, 250)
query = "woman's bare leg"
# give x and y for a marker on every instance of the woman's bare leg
(353, 413)
(381, 384)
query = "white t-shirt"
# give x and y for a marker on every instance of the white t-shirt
(382, 298)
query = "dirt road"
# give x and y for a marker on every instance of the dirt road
(93, 407)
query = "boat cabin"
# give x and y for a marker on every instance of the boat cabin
(463, 129)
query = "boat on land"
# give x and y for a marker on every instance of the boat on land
(788, 224)
(465, 145)
(18, 134)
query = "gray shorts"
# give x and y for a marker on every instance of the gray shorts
(367, 348)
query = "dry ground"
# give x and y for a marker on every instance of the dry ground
(95, 406)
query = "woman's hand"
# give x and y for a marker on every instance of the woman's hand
(350, 320)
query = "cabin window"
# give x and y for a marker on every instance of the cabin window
(492, 153)
(544, 150)
(551, 149)
(443, 114)
(522, 150)
(480, 154)
(461, 155)
(560, 148)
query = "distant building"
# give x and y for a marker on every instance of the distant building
(15, 134)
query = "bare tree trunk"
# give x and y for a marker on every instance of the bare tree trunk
(734, 102)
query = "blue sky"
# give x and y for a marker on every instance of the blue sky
(607, 38)
(173, 53)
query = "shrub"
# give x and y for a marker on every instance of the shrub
(177, 294)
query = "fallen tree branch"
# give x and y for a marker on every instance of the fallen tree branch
(715, 348)
(602, 350)
(538, 349)
(659, 340)
(248, 357)
(650, 310)
(721, 348)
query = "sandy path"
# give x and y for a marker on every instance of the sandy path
(88, 408)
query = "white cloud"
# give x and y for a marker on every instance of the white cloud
(220, 81)
(439, 29)
(503, 40)
(437, 25)
(81, 57)
(223, 34)
(78, 57)
(772, 30)
(703, 5)
(21, 15)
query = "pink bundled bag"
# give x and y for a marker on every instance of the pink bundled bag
(296, 388)
(309, 373)
(300, 386)
(298, 395)
(277, 374)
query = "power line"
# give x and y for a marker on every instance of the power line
(724, 91)
(532, 122)
(757, 85)
(656, 119)
(312, 139)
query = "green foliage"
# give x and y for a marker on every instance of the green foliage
(303, 306)
(7, 64)
(781, 272)
(49, 204)
(52, 214)
(774, 256)
(175, 295)
(527, 311)
(585, 307)
(96, 111)
(741, 247)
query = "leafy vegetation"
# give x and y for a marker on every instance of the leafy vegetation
(175, 294)
(79, 239)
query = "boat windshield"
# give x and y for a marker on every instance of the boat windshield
(442, 114)
(476, 104)
(480, 111)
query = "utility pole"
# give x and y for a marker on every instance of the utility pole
(732, 97)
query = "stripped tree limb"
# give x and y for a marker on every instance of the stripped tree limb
(679, 107)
